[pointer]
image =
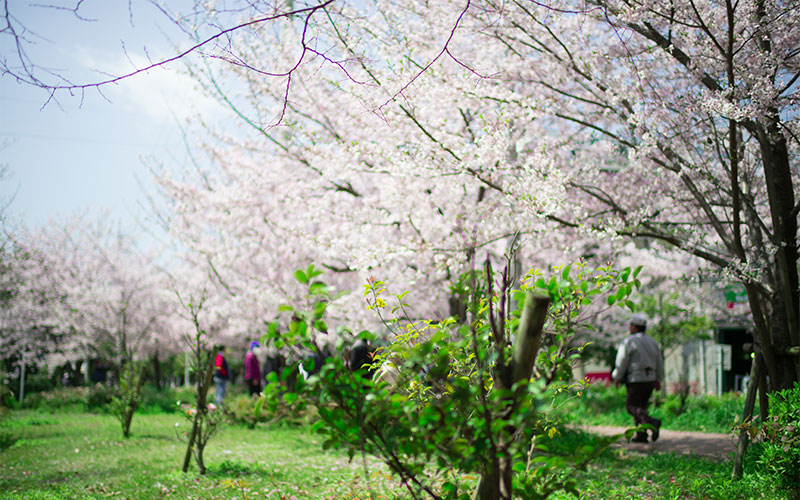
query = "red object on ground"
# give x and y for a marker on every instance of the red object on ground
(592, 377)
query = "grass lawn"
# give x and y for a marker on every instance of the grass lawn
(81, 455)
(623, 473)
(84, 456)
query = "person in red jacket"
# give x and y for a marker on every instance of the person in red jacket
(221, 375)
(252, 370)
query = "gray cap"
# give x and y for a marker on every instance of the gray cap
(639, 319)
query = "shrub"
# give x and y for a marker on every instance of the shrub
(61, 399)
(7, 399)
(451, 399)
(781, 434)
(154, 400)
(241, 410)
(99, 397)
(6, 437)
(77, 399)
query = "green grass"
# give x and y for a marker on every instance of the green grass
(623, 473)
(80, 455)
(600, 405)
(84, 456)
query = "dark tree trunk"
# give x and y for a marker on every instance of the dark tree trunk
(156, 371)
(782, 324)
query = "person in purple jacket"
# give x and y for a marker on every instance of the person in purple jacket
(252, 370)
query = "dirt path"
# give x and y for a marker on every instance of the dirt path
(703, 444)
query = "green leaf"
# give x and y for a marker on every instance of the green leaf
(290, 397)
(565, 272)
(319, 309)
(312, 272)
(301, 276)
(317, 288)
(285, 307)
(259, 404)
(611, 300)
(321, 326)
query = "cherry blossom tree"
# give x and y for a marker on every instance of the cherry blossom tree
(418, 133)
(98, 295)
(400, 137)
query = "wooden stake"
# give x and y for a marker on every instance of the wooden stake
(749, 404)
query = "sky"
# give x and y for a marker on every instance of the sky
(91, 153)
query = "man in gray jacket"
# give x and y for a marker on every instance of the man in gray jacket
(640, 366)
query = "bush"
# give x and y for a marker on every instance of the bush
(6, 437)
(709, 413)
(156, 400)
(7, 399)
(453, 399)
(77, 399)
(99, 397)
(62, 399)
(241, 410)
(781, 434)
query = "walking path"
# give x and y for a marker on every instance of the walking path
(704, 444)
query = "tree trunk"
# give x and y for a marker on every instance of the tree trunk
(783, 328)
(133, 402)
(192, 437)
(126, 425)
(497, 482)
(203, 383)
(747, 416)
(156, 371)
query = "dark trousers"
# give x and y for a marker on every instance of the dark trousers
(636, 403)
(254, 386)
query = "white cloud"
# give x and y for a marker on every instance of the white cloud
(164, 93)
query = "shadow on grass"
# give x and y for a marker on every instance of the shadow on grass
(157, 437)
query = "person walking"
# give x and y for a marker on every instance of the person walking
(252, 370)
(640, 365)
(221, 376)
(360, 356)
